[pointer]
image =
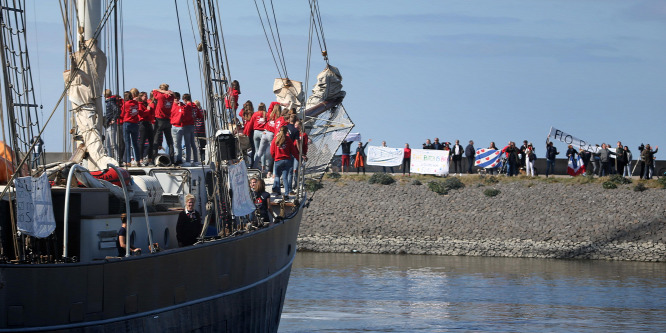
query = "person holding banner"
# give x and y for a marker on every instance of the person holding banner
(407, 160)
(648, 158)
(346, 151)
(359, 158)
(383, 167)
(551, 153)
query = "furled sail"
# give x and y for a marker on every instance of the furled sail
(85, 93)
(326, 93)
(289, 92)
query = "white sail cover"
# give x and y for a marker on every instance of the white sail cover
(289, 92)
(85, 93)
(328, 87)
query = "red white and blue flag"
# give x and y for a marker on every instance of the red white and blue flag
(487, 158)
(576, 166)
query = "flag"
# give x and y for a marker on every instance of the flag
(576, 166)
(487, 158)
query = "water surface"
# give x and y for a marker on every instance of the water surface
(410, 293)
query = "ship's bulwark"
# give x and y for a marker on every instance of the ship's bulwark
(232, 285)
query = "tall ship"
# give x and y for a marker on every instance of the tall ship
(60, 266)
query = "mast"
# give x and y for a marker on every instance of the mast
(89, 15)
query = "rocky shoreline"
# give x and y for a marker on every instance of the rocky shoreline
(529, 218)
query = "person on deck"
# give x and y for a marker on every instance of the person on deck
(188, 226)
(200, 130)
(283, 151)
(254, 129)
(192, 112)
(130, 115)
(146, 119)
(359, 158)
(231, 99)
(179, 111)
(121, 241)
(346, 151)
(113, 106)
(164, 102)
(302, 144)
(261, 198)
(274, 113)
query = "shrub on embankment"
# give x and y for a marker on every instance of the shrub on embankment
(532, 217)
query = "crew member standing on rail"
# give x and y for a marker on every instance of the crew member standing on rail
(164, 98)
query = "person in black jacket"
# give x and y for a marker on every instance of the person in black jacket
(359, 158)
(456, 157)
(551, 152)
(470, 153)
(188, 227)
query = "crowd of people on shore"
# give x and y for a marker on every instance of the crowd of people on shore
(603, 162)
(137, 124)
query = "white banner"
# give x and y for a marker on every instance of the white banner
(241, 203)
(349, 137)
(34, 209)
(558, 135)
(385, 156)
(430, 161)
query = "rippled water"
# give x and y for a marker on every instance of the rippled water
(407, 293)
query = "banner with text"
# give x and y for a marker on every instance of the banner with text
(34, 209)
(558, 135)
(430, 162)
(385, 156)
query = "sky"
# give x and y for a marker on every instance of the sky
(485, 70)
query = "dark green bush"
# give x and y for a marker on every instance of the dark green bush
(312, 185)
(438, 187)
(609, 185)
(491, 192)
(662, 181)
(618, 179)
(491, 180)
(453, 183)
(333, 175)
(381, 178)
(416, 182)
(640, 187)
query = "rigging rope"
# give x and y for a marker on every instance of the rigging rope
(182, 48)
(267, 40)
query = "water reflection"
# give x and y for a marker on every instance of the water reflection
(405, 293)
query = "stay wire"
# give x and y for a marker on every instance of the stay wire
(267, 40)
(182, 47)
(277, 30)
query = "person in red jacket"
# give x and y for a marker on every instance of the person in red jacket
(283, 151)
(179, 115)
(130, 115)
(407, 160)
(274, 112)
(231, 99)
(302, 143)
(254, 130)
(200, 130)
(146, 119)
(191, 113)
(164, 102)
